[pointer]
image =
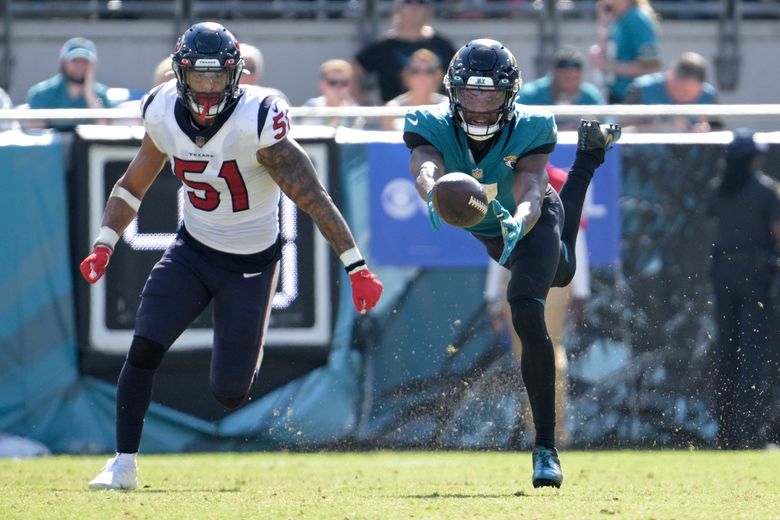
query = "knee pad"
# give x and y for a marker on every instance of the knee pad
(145, 353)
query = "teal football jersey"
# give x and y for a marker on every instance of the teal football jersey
(530, 128)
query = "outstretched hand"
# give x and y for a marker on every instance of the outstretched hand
(433, 217)
(512, 230)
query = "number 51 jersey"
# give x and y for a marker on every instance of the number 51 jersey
(230, 202)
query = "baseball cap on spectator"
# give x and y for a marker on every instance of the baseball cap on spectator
(743, 147)
(253, 59)
(568, 58)
(78, 48)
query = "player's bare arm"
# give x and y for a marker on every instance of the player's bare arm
(290, 167)
(122, 206)
(529, 188)
(426, 165)
(140, 175)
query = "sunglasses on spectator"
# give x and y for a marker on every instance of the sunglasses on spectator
(337, 82)
(417, 2)
(430, 71)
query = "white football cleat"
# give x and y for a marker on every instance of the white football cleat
(116, 475)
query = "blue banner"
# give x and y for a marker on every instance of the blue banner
(601, 207)
(401, 234)
(400, 231)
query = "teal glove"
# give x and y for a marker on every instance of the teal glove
(512, 230)
(433, 217)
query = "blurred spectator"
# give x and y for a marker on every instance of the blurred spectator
(563, 305)
(577, 293)
(422, 77)
(163, 72)
(563, 86)
(745, 207)
(5, 103)
(335, 82)
(254, 68)
(684, 83)
(74, 86)
(627, 45)
(389, 55)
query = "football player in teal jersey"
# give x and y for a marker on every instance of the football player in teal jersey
(506, 147)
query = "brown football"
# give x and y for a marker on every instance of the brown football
(460, 199)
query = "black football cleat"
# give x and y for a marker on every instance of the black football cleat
(547, 468)
(593, 135)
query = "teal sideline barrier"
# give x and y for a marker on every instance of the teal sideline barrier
(42, 396)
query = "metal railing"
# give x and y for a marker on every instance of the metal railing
(632, 111)
(189, 10)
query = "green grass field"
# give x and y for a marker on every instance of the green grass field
(384, 485)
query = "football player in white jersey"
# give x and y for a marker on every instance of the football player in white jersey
(231, 148)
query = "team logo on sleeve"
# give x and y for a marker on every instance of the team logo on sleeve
(477, 173)
(510, 161)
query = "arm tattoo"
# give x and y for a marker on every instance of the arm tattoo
(290, 167)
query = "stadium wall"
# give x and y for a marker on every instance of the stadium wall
(129, 50)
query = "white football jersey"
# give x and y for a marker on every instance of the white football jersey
(230, 202)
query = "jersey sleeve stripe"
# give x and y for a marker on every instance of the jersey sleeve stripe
(149, 99)
(262, 114)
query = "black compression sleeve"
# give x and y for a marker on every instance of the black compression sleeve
(545, 148)
(413, 140)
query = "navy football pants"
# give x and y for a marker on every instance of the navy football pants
(182, 284)
(179, 287)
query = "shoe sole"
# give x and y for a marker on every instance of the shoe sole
(546, 482)
(108, 487)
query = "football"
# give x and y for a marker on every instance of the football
(459, 199)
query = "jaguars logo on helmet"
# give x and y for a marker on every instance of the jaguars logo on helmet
(207, 47)
(482, 65)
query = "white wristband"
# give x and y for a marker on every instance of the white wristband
(132, 201)
(107, 237)
(351, 257)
